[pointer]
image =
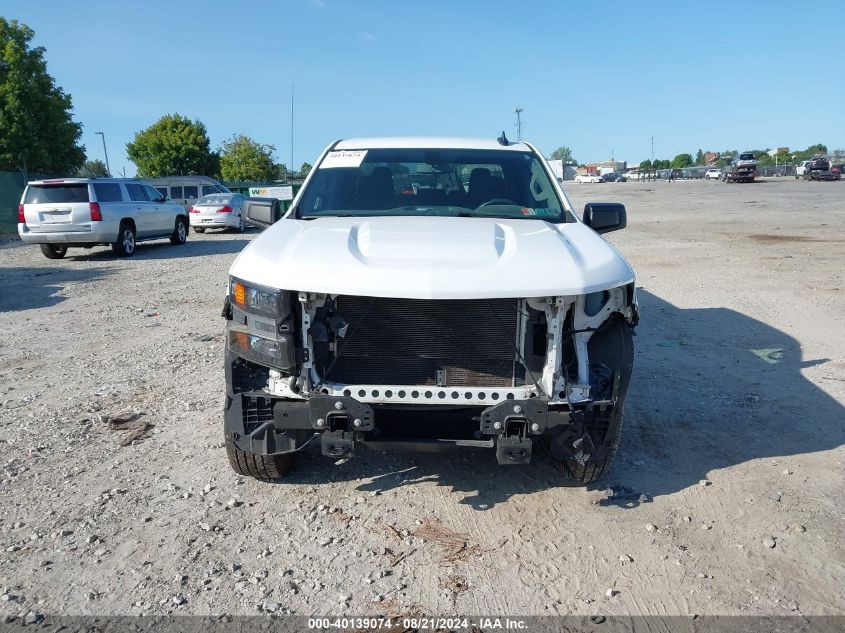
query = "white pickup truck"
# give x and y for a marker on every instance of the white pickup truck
(429, 293)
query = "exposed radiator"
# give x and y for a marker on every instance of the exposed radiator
(428, 342)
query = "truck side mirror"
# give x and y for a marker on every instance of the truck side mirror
(604, 217)
(261, 212)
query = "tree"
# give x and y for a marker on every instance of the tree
(304, 170)
(646, 164)
(564, 154)
(281, 172)
(93, 169)
(682, 160)
(37, 131)
(814, 150)
(243, 159)
(699, 157)
(173, 146)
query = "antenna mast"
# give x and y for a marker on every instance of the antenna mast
(292, 166)
(519, 110)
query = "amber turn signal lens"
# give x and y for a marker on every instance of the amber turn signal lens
(242, 340)
(240, 293)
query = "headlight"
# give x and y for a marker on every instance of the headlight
(254, 300)
(261, 327)
(265, 351)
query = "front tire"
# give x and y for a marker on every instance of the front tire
(610, 348)
(180, 232)
(261, 467)
(577, 474)
(125, 244)
(52, 251)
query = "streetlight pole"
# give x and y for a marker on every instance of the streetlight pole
(108, 169)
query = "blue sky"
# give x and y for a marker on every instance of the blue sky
(601, 77)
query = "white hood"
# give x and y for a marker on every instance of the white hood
(432, 258)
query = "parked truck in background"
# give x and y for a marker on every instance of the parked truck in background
(743, 168)
(817, 168)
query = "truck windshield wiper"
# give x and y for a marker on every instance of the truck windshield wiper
(333, 215)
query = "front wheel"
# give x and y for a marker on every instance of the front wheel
(597, 432)
(261, 467)
(51, 251)
(125, 244)
(180, 232)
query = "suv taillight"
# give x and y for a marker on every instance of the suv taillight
(21, 217)
(96, 216)
(226, 209)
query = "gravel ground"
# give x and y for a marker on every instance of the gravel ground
(726, 498)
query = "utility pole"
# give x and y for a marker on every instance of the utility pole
(108, 169)
(292, 167)
(652, 150)
(519, 110)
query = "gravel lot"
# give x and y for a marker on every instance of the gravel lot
(726, 498)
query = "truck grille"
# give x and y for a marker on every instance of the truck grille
(427, 342)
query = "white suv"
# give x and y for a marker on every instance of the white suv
(86, 212)
(714, 173)
(424, 293)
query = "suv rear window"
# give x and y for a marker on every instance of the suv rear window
(45, 194)
(108, 192)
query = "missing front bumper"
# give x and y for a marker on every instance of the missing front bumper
(264, 425)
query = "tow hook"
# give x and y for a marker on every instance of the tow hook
(513, 450)
(337, 444)
(339, 419)
(513, 422)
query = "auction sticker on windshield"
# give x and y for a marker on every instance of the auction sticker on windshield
(344, 158)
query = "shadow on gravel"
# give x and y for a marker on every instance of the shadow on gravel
(165, 250)
(712, 388)
(26, 288)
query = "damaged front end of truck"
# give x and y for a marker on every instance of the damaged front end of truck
(514, 375)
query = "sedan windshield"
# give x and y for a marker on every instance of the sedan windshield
(215, 199)
(438, 182)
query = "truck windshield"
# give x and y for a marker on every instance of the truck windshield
(438, 182)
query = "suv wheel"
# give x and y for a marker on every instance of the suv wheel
(125, 244)
(51, 251)
(261, 467)
(180, 232)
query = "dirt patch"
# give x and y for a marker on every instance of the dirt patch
(455, 545)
